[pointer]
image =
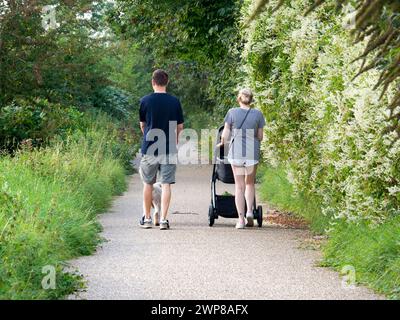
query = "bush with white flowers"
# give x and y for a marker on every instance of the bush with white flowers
(324, 127)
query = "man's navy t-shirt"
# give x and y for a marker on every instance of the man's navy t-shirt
(160, 111)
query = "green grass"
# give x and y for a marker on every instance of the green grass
(373, 251)
(49, 199)
(278, 192)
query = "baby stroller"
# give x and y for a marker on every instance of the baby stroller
(224, 205)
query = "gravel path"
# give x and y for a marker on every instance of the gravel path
(194, 261)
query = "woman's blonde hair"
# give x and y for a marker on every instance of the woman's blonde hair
(246, 96)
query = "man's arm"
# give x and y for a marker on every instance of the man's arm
(142, 116)
(142, 126)
(180, 120)
(179, 129)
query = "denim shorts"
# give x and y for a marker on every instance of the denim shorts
(151, 165)
(242, 162)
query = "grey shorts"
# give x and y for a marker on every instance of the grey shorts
(150, 165)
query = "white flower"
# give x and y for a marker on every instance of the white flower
(394, 190)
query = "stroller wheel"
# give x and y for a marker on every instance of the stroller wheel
(259, 216)
(211, 217)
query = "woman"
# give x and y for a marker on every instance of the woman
(246, 125)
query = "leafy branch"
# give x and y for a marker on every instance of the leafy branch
(377, 20)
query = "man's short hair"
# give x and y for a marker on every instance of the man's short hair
(160, 78)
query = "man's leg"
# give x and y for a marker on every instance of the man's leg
(148, 172)
(167, 173)
(165, 200)
(147, 199)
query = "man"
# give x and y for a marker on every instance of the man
(161, 121)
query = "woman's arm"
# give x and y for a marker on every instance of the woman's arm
(225, 134)
(260, 134)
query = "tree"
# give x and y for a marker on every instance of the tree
(57, 62)
(196, 41)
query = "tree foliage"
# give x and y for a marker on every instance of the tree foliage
(196, 41)
(375, 20)
(65, 61)
(59, 63)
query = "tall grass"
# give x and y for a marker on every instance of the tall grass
(373, 250)
(49, 199)
(276, 189)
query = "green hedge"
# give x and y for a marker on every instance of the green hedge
(333, 153)
(49, 199)
(329, 130)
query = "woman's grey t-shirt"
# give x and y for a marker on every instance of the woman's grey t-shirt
(246, 145)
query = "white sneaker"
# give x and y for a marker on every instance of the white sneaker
(147, 224)
(164, 225)
(250, 220)
(241, 224)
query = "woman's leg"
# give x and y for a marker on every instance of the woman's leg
(240, 186)
(250, 188)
